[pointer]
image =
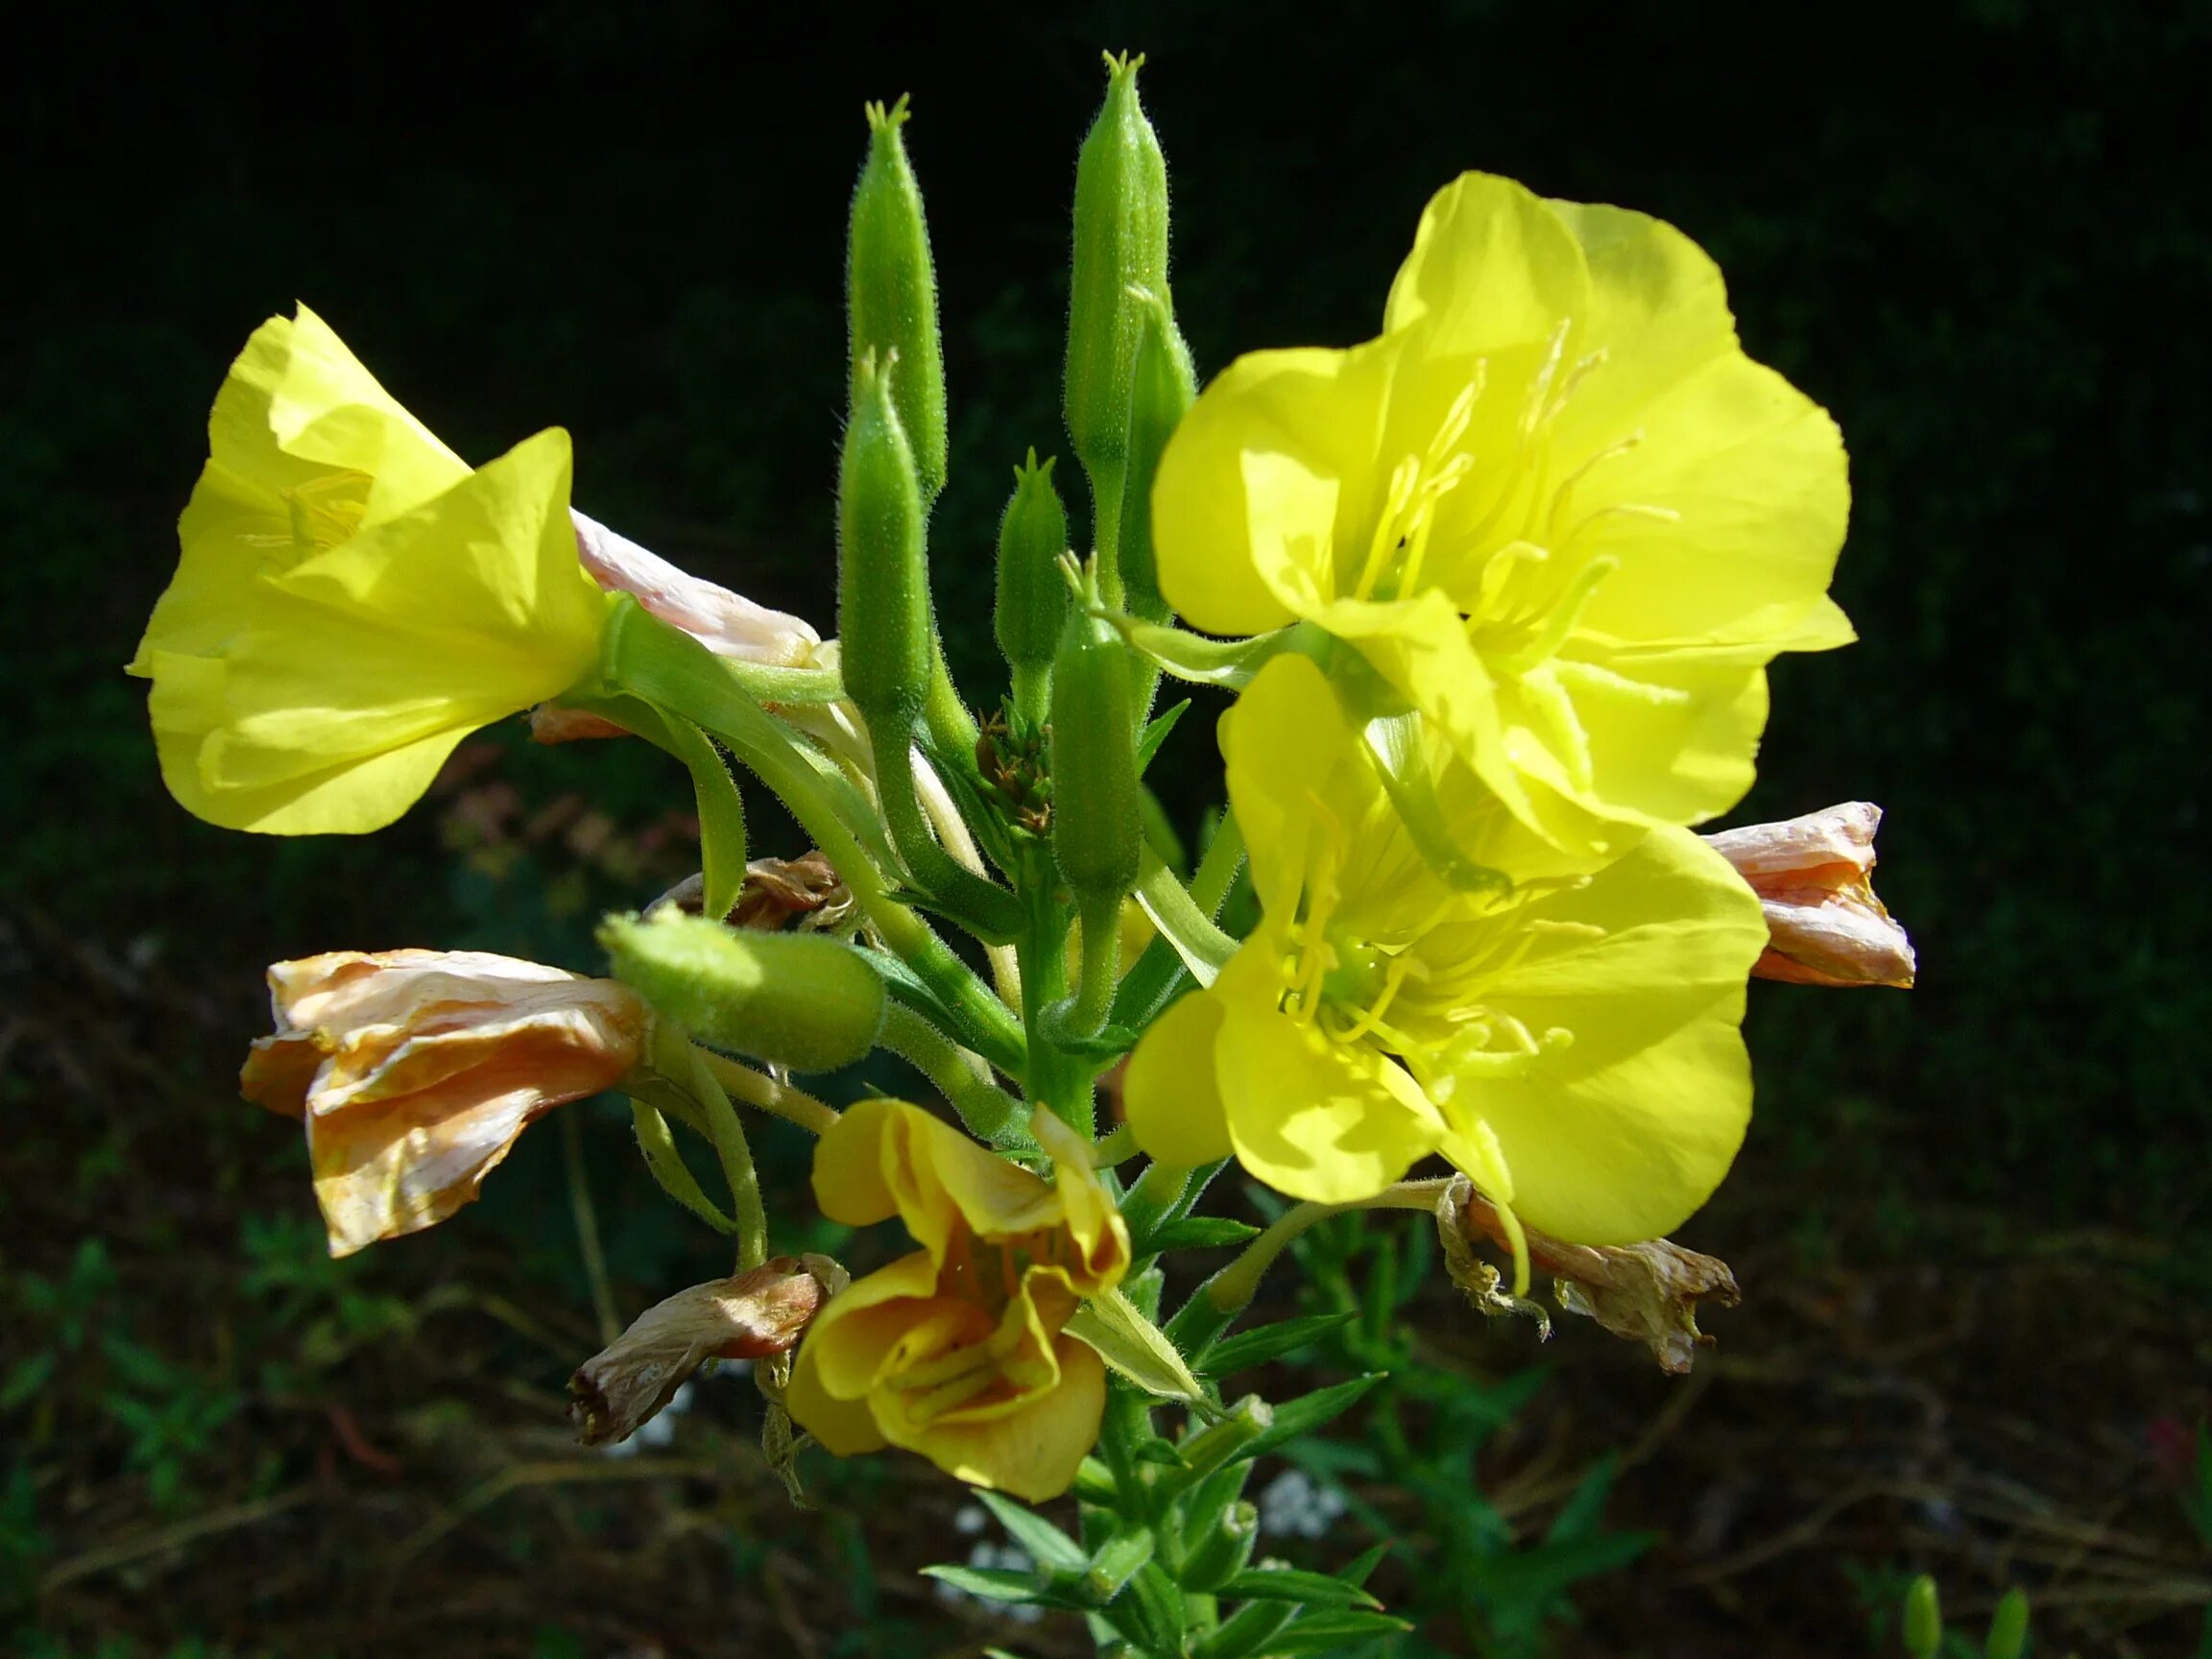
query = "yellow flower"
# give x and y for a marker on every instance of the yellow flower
(1572, 1046)
(959, 1350)
(1553, 506)
(415, 1070)
(352, 599)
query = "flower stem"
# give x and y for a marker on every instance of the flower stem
(1228, 1292)
(759, 1088)
(989, 1112)
(736, 1158)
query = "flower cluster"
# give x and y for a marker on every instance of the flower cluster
(1496, 592)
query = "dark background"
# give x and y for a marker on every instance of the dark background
(1973, 231)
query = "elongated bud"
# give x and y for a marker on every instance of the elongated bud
(1225, 1550)
(891, 291)
(883, 563)
(2007, 1627)
(1098, 832)
(799, 1000)
(1162, 387)
(1032, 593)
(1923, 1619)
(1120, 243)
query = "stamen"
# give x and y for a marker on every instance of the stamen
(1393, 976)
(1566, 613)
(950, 1396)
(1388, 533)
(1565, 489)
(1540, 385)
(1548, 701)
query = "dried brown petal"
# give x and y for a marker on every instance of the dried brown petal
(1813, 877)
(1646, 1292)
(750, 1316)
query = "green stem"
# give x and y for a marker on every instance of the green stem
(648, 658)
(765, 684)
(989, 1112)
(985, 908)
(586, 1220)
(1203, 946)
(736, 1158)
(1048, 1077)
(666, 1163)
(1232, 1289)
(951, 727)
(759, 1088)
(1101, 968)
(1117, 1147)
(1217, 869)
(1032, 691)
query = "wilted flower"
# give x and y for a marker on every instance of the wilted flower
(958, 1351)
(352, 600)
(728, 624)
(749, 1316)
(1814, 879)
(415, 1070)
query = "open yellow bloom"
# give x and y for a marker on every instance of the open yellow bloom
(352, 599)
(1553, 506)
(959, 1350)
(1572, 1046)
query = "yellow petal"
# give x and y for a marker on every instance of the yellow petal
(846, 1427)
(1622, 1133)
(1034, 1450)
(1308, 1115)
(1493, 266)
(1173, 1103)
(1286, 741)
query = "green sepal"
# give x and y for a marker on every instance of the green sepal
(1250, 1348)
(1162, 386)
(1156, 731)
(1201, 660)
(1135, 1348)
(1117, 1561)
(1291, 1584)
(721, 848)
(1196, 1232)
(1221, 1554)
(658, 1147)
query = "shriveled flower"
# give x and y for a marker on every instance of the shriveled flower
(415, 1070)
(1553, 506)
(352, 600)
(958, 1351)
(728, 624)
(747, 1316)
(1574, 1047)
(1814, 879)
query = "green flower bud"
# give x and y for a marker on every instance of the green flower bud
(1923, 1619)
(891, 292)
(1032, 593)
(1224, 1550)
(2007, 1628)
(1162, 387)
(882, 563)
(804, 1001)
(1120, 243)
(1098, 828)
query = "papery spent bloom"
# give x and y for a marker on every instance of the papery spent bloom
(414, 1071)
(958, 1351)
(1553, 506)
(728, 624)
(1573, 1047)
(1814, 879)
(352, 600)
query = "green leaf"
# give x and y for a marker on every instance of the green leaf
(1291, 1584)
(1584, 1512)
(1249, 1348)
(1298, 1418)
(1135, 1348)
(1333, 1632)
(1046, 1544)
(29, 1375)
(1155, 733)
(989, 1583)
(1120, 1559)
(1195, 1233)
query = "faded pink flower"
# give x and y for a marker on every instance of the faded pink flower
(415, 1070)
(1813, 877)
(728, 624)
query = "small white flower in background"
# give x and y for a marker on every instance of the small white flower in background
(970, 1520)
(1296, 1504)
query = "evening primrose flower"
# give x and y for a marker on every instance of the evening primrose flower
(1554, 507)
(352, 600)
(416, 1071)
(958, 1351)
(1572, 1046)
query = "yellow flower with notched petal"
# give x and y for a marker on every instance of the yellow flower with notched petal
(352, 599)
(959, 1350)
(1553, 506)
(1572, 1046)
